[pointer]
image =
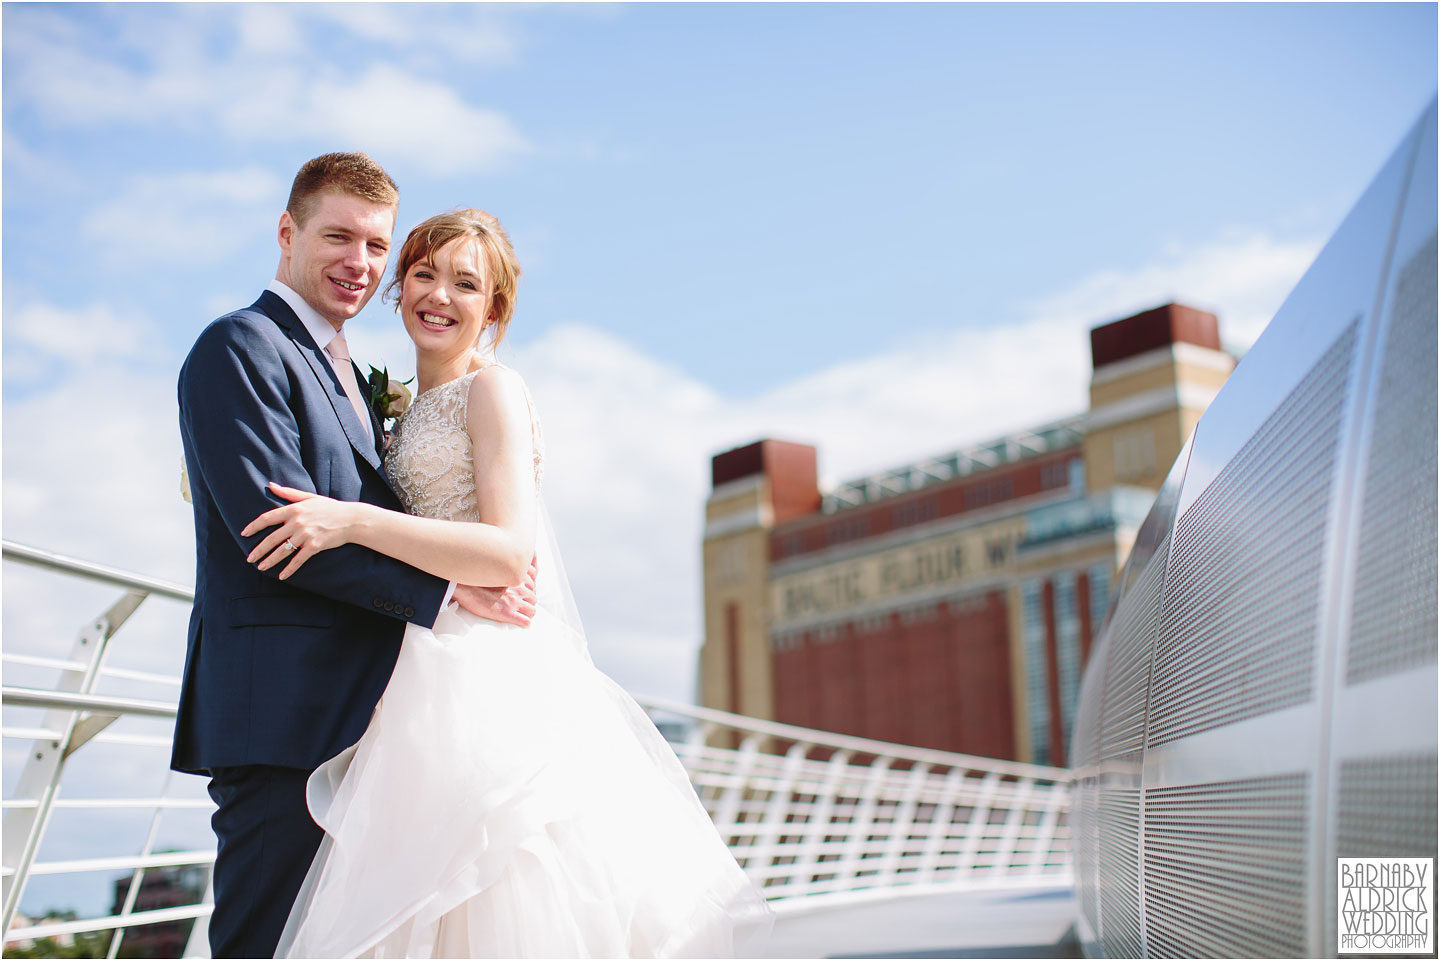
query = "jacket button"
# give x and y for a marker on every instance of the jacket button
(379, 603)
(389, 605)
(409, 612)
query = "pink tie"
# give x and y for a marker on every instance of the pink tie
(339, 352)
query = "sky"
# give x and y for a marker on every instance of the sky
(883, 229)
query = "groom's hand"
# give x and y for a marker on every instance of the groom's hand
(507, 605)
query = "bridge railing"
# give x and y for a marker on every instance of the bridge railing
(813, 813)
(73, 716)
(811, 816)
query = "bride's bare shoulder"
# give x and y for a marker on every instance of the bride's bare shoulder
(497, 393)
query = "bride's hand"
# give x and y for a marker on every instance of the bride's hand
(310, 524)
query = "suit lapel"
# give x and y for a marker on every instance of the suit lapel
(377, 429)
(279, 311)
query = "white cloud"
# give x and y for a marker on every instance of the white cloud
(392, 113)
(40, 172)
(268, 30)
(80, 335)
(943, 392)
(1243, 276)
(468, 32)
(190, 217)
(261, 73)
(92, 461)
(46, 51)
(215, 305)
(46, 345)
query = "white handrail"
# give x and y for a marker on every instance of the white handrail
(96, 703)
(90, 571)
(76, 716)
(811, 813)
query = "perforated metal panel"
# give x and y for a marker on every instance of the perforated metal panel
(1387, 807)
(1303, 553)
(1243, 589)
(1085, 746)
(1084, 798)
(1394, 626)
(1225, 868)
(1127, 664)
(1084, 752)
(1119, 882)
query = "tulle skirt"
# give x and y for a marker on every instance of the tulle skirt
(509, 800)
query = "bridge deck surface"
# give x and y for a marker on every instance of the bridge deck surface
(1028, 923)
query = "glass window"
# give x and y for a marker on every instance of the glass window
(1067, 647)
(985, 493)
(1055, 475)
(852, 528)
(916, 513)
(1099, 597)
(1037, 694)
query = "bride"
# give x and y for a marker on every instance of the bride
(507, 798)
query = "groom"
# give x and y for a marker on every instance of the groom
(281, 676)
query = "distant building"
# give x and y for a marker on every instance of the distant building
(28, 945)
(950, 602)
(162, 887)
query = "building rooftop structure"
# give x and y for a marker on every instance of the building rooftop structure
(1007, 449)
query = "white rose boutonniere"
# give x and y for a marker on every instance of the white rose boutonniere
(389, 398)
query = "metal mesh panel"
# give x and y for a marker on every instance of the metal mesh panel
(1225, 868)
(1127, 666)
(1083, 795)
(1394, 626)
(1083, 799)
(1119, 822)
(1085, 746)
(1242, 596)
(1387, 807)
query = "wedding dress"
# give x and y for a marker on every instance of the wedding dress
(507, 799)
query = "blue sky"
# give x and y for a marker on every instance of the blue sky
(752, 193)
(880, 228)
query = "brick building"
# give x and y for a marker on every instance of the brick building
(950, 602)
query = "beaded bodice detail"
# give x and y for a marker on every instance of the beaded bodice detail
(431, 461)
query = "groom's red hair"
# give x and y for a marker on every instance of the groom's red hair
(349, 173)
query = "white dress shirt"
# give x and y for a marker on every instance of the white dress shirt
(321, 329)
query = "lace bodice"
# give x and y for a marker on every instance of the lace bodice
(431, 461)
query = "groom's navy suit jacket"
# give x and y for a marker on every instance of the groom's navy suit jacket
(281, 672)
